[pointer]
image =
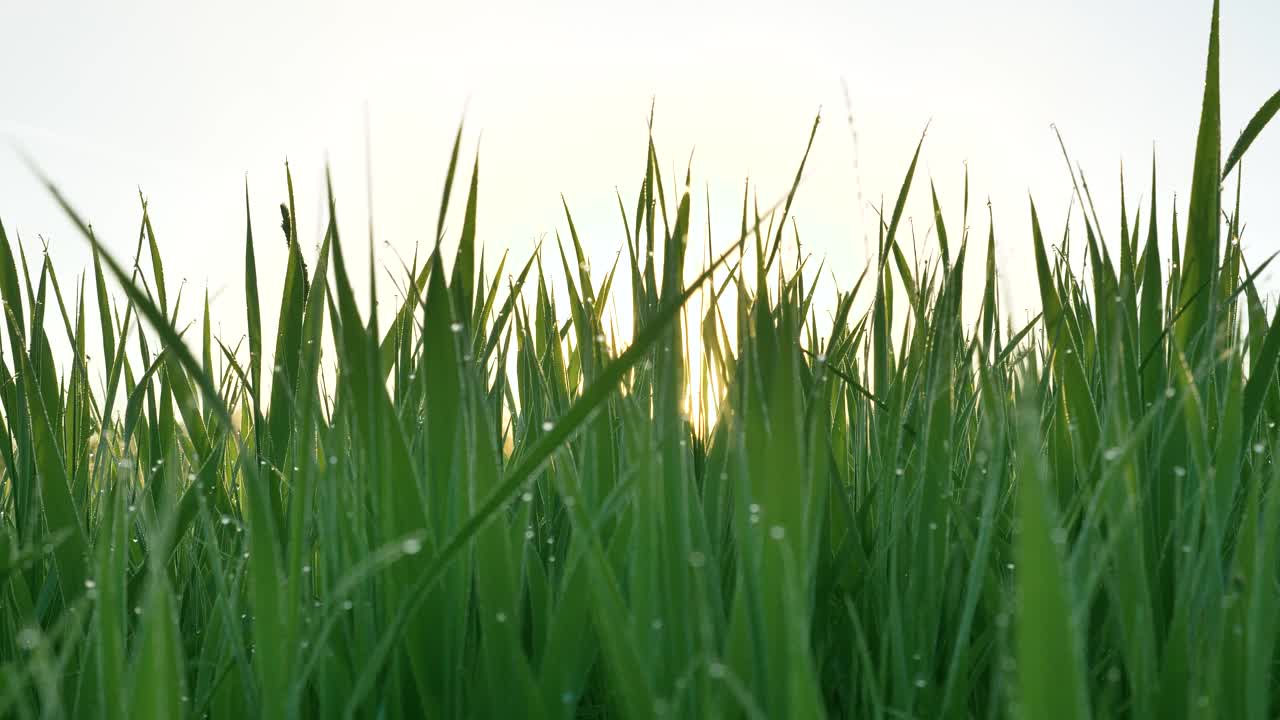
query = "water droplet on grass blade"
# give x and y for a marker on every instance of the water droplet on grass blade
(28, 638)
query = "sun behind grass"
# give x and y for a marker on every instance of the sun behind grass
(494, 510)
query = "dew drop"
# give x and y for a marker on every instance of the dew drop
(28, 638)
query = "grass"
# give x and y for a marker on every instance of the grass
(494, 509)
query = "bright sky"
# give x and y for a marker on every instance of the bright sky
(186, 99)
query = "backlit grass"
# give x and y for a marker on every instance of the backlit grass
(493, 508)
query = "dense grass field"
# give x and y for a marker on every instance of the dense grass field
(494, 507)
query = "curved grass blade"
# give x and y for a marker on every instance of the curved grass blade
(1250, 133)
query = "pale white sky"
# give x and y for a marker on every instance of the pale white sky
(185, 99)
